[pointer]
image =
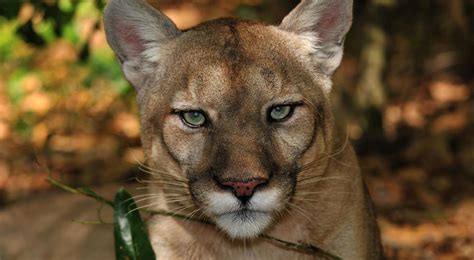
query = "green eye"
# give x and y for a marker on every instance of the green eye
(280, 113)
(193, 118)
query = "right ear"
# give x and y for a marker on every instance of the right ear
(326, 22)
(137, 33)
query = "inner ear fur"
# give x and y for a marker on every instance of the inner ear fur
(325, 24)
(137, 33)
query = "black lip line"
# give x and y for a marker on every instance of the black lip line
(239, 211)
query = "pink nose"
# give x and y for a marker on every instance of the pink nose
(244, 188)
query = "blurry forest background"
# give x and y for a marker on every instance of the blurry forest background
(405, 88)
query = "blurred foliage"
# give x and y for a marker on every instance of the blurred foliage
(63, 100)
(404, 87)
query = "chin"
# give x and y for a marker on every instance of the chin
(244, 224)
(243, 221)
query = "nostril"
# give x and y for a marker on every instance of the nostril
(243, 190)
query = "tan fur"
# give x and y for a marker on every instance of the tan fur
(234, 71)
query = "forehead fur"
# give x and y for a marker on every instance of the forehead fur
(234, 41)
(230, 59)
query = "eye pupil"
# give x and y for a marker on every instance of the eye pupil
(280, 113)
(193, 118)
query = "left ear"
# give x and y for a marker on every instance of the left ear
(325, 24)
(137, 33)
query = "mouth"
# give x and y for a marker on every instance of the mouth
(242, 213)
(244, 223)
(243, 220)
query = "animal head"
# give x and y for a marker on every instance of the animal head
(231, 110)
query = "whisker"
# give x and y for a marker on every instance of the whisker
(329, 156)
(145, 195)
(145, 199)
(279, 213)
(174, 189)
(177, 193)
(134, 197)
(170, 190)
(161, 174)
(300, 210)
(354, 166)
(164, 196)
(142, 207)
(322, 192)
(141, 164)
(312, 200)
(314, 180)
(180, 209)
(314, 166)
(169, 179)
(312, 204)
(164, 180)
(178, 200)
(172, 198)
(166, 189)
(201, 216)
(176, 196)
(289, 212)
(191, 215)
(166, 176)
(307, 202)
(312, 163)
(159, 182)
(156, 203)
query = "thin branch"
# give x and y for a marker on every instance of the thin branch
(92, 222)
(303, 248)
(307, 248)
(83, 191)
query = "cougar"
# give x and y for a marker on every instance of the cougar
(237, 129)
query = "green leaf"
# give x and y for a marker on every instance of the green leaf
(131, 239)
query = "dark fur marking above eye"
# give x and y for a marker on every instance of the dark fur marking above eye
(232, 48)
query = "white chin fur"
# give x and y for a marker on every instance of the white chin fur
(243, 222)
(243, 225)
